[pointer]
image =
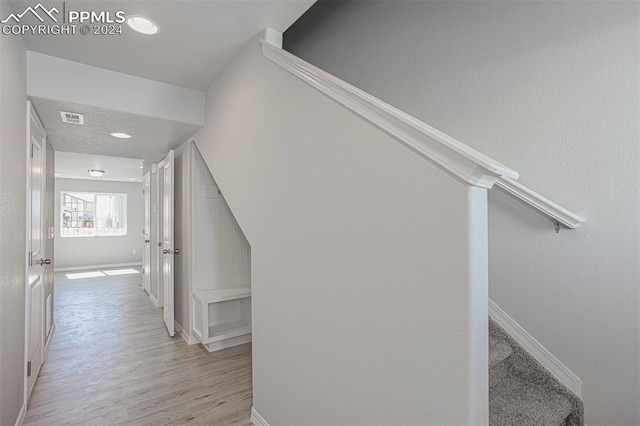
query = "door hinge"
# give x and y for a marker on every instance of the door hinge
(31, 154)
(142, 271)
(29, 369)
(30, 258)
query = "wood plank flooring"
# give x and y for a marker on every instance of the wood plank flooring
(112, 362)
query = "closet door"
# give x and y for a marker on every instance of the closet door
(168, 250)
(146, 233)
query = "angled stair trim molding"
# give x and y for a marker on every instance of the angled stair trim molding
(21, 415)
(257, 419)
(537, 201)
(541, 354)
(467, 164)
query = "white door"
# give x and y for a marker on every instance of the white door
(167, 241)
(34, 293)
(146, 233)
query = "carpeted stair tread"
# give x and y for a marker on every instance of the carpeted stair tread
(499, 348)
(516, 401)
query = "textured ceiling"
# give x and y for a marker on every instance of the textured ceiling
(71, 165)
(151, 138)
(197, 40)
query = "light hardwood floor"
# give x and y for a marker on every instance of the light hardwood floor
(112, 362)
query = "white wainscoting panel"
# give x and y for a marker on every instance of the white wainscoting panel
(221, 253)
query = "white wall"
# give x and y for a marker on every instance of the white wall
(361, 252)
(47, 79)
(552, 90)
(13, 160)
(89, 251)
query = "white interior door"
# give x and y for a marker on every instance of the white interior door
(146, 233)
(167, 241)
(34, 292)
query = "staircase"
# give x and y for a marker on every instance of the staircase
(522, 392)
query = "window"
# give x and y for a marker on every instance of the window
(86, 214)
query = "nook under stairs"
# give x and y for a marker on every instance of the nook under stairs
(522, 392)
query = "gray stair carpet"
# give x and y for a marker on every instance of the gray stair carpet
(522, 392)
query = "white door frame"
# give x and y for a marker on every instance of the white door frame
(146, 233)
(32, 117)
(157, 174)
(168, 248)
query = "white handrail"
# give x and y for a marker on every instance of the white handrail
(459, 159)
(537, 201)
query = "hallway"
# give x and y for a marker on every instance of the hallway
(111, 362)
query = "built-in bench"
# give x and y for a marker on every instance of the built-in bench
(222, 318)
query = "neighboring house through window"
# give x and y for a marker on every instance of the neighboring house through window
(86, 214)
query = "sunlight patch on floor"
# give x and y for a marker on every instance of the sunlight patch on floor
(91, 274)
(121, 272)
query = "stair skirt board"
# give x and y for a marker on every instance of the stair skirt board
(522, 391)
(257, 419)
(23, 413)
(541, 354)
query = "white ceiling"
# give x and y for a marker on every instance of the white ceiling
(197, 40)
(71, 165)
(151, 137)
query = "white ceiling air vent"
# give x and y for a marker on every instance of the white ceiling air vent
(72, 118)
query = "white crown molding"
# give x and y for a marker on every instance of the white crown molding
(548, 207)
(469, 165)
(560, 371)
(257, 419)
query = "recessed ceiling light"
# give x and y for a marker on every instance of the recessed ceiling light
(95, 173)
(132, 178)
(142, 167)
(120, 135)
(143, 25)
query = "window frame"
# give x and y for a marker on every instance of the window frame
(95, 195)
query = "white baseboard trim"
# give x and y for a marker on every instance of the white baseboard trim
(47, 345)
(228, 343)
(22, 414)
(560, 371)
(191, 340)
(84, 268)
(154, 301)
(257, 419)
